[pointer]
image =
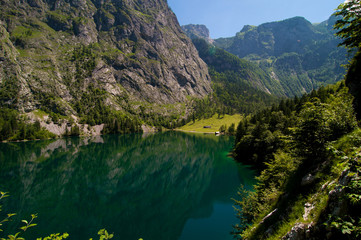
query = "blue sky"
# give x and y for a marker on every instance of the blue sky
(226, 17)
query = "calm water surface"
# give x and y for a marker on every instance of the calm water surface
(164, 186)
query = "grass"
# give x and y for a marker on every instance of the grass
(214, 122)
(39, 113)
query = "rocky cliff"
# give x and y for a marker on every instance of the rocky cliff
(130, 53)
(195, 31)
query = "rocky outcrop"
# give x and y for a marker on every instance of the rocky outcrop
(337, 207)
(300, 231)
(134, 50)
(195, 31)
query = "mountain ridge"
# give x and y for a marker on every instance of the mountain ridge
(197, 31)
(299, 56)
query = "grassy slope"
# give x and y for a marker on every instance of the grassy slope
(214, 122)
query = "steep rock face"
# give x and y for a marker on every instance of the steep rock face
(195, 31)
(131, 49)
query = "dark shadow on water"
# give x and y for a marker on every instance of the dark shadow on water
(148, 186)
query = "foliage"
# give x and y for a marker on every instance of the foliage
(84, 59)
(205, 108)
(309, 122)
(324, 122)
(50, 104)
(353, 82)
(9, 88)
(55, 236)
(348, 226)
(349, 30)
(349, 26)
(288, 141)
(234, 92)
(14, 127)
(91, 107)
(245, 208)
(272, 182)
(103, 233)
(90, 99)
(234, 81)
(231, 130)
(93, 111)
(120, 123)
(27, 224)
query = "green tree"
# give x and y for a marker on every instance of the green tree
(75, 131)
(349, 26)
(232, 129)
(312, 132)
(354, 84)
(223, 128)
(349, 29)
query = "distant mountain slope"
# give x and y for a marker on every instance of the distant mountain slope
(272, 39)
(237, 83)
(61, 54)
(297, 54)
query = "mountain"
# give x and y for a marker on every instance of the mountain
(300, 56)
(69, 57)
(195, 31)
(272, 39)
(237, 83)
(222, 61)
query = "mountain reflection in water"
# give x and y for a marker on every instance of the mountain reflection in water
(160, 186)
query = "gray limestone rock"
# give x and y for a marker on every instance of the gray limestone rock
(138, 47)
(194, 31)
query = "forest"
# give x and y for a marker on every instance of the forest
(307, 149)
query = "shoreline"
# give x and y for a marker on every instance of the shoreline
(193, 131)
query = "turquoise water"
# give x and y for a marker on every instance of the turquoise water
(168, 185)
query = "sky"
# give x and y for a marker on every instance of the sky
(224, 18)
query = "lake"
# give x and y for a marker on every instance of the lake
(163, 186)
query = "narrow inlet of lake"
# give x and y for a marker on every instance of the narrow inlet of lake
(163, 186)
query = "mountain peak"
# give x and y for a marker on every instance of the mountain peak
(247, 28)
(195, 31)
(273, 38)
(291, 49)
